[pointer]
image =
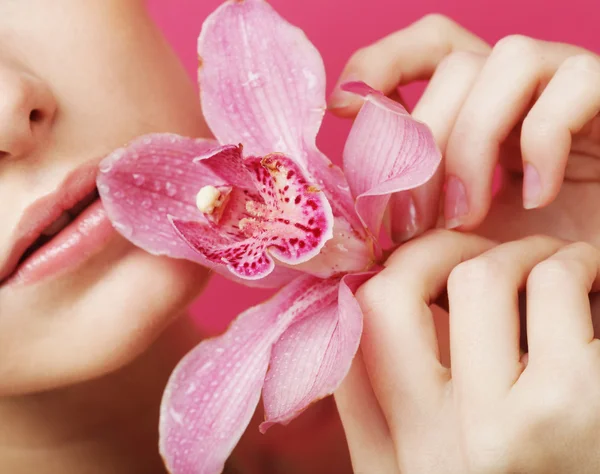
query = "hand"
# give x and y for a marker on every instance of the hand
(498, 411)
(531, 105)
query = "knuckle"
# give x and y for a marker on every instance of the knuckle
(480, 271)
(463, 60)
(361, 55)
(373, 292)
(583, 62)
(439, 234)
(538, 125)
(517, 46)
(436, 21)
(582, 249)
(553, 272)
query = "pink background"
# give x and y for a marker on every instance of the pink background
(337, 28)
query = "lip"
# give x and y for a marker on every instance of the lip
(84, 236)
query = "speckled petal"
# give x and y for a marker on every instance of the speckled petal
(387, 152)
(278, 214)
(214, 390)
(155, 177)
(346, 252)
(262, 84)
(312, 356)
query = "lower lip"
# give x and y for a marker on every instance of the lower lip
(77, 242)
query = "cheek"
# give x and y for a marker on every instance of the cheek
(92, 322)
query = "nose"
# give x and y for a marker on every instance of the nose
(27, 109)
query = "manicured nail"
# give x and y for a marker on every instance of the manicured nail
(340, 99)
(405, 223)
(456, 206)
(532, 187)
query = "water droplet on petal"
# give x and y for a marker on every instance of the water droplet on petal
(171, 189)
(146, 203)
(105, 166)
(138, 179)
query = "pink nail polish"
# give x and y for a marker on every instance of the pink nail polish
(405, 223)
(340, 99)
(532, 187)
(456, 206)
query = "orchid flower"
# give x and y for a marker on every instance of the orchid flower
(264, 206)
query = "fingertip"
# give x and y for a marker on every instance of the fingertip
(456, 203)
(343, 103)
(465, 207)
(344, 110)
(532, 187)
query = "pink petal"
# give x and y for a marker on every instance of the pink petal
(155, 177)
(262, 84)
(346, 252)
(262, 81)
(214, 390)
(312, 356)
(387, 151)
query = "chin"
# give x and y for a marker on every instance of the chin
(92, 320)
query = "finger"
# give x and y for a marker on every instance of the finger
(438, 108)
(447, 91)
(367, 433)
(484, 319)
(417, 210)
(399, 340)
(567, 104)
(516, 69)
(402, 57)
(558, 304)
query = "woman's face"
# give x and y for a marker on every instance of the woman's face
(78, 79)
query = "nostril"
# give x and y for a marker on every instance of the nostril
(3, 154)
(36, 115)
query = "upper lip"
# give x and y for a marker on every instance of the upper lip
(46, 210)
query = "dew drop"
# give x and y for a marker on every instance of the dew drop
(171, 189)
(105, 166)
(146, 203)
(138, 179)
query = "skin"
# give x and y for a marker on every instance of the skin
(83, 358)
(497, 411)
(65, 353)
(522, 103)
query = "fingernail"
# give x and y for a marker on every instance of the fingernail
(456, 206)
(405, 223)
(532, 187)
(340, 99)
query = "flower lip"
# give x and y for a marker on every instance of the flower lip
(73, 195)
